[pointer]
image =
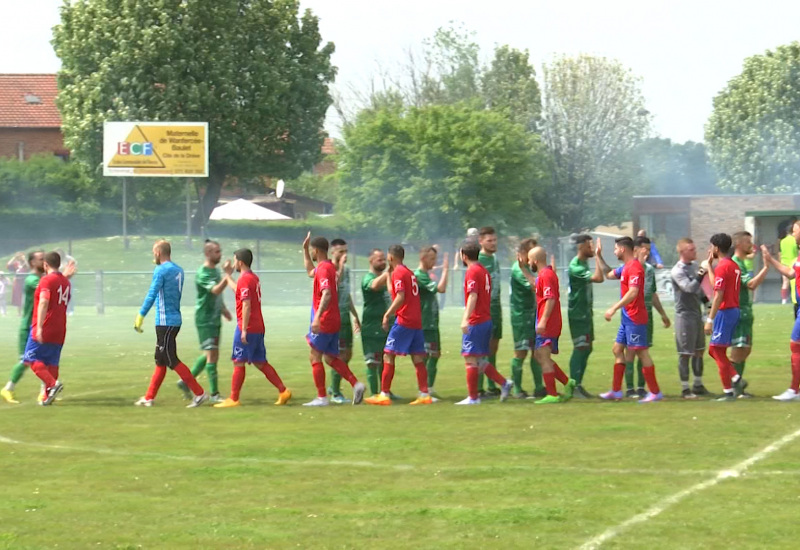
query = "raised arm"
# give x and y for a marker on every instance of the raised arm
(442, 286)
(784, 270)
(307, 261)
(754, 283)
(600, 265)
(380, 281)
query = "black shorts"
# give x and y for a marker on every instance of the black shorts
(166, 348)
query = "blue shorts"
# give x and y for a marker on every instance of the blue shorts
(326, 343)
(632, 336)
(796, 331)
(724, 326)
(405, 341)
(542, 341)
(251, 352)
(475, 343)
(49, 354)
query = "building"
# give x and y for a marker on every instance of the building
(29, 120)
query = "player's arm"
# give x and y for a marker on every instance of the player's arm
(442, 286)
(784, 270)
(354, 313)
(397, 303)
(613, 274)
(660, 309)
(472, 301)
(629, 297)
(307, 261)
(654, 254)
(41, 311)
(715, 303)
(156, 285)
(754, 282)
(379, 282)
(600, 265)
(220, 287)
(70, 269)
(549, 306)
(324, 304)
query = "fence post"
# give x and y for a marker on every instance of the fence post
(98, 285)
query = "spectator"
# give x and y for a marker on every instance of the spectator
(655, 257)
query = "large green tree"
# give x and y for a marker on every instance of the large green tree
(437, 170)
(509, 85)
(753, 134)
(594, 117)
(255, 70)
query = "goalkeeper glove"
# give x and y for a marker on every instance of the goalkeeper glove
(137, 324)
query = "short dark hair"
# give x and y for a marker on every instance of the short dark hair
(471, 249)
(244, 255)
(641, 241)
(427, 249)
(53, 259)
(488, 230)
(320, 243)
(739, 236)
(526, 245)
(625, 242)
(32, 255)
(582, 238)
(722, 241)
(338, 242)
(397, 251)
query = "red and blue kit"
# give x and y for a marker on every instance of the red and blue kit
(728, 280)
(327, 340)
(406, 336)
(55, 288)
(248, 289)
(475, 343)
(547, 288)
(632, 331)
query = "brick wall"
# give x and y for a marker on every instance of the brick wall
(36, 140)
(709, 214)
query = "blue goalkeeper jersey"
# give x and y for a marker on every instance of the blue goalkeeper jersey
(165, 293)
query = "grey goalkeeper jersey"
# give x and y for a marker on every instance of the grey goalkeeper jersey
(688, 293)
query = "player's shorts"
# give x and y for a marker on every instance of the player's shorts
(325, 342)
(22, 343)
(373, 349)
(432, 342)
(689, 335)
(405, 341)
(544, 341)
(166, 347)
(523, 330)
(724, 326)
(497, 321)
(252, 352)
(346, 335)
(209, 337)
(49, 354)
(475, 343)
(582, 333)
(631, 335)
(743, 335)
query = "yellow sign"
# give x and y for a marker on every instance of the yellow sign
(155, 149)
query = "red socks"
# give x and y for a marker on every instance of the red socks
(491, 373)
(237, 381)
(795, 367)
(726, 370)
(559, 374)
(186, 375)
(53, 372)
(472, 381)
(44, 374)
(319, 379)
(271, 374)
(386, 379)
(650, 377)
(422, 376)
(550, 383)
(155, 382)
(619, 374)
(341, 367)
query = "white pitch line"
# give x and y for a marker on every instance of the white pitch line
(671, 500)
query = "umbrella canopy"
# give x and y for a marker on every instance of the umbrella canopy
(242, 209)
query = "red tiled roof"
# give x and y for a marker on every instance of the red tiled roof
(18, 96)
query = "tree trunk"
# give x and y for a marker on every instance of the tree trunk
(207, 203)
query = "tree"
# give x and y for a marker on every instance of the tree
(675, 168)
(254, 70)
(753, 134)
(594, 117)
(509, 85)
(434, 171)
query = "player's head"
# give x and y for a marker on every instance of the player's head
(36, 261)
(583, 245)
(721, 244)
(623, 246)
(338, 249)
(537, 258)
(162, 252)
(377, 260)
(641, 233)
(743, 242)
(242, 259)
(641, 248)
(487, 238)
(319, 249)
(470, 251)
(687, 250)
(396, 255)
(52, 261)
(524, 247)
(212, 252)
(427, 257)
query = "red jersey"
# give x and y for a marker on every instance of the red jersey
(631, 275)
(728, 279)
(248, 288)
(547, 289)
(796, 268)
(478, 282)
(410, 313)
(55, 288)
(325, 278)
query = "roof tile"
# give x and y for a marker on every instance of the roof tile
(17, 112)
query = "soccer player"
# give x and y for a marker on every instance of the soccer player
(209, 309)
(323, 334)
(428, 290)
(724, 315)
(689, 336)
(165, 292)
(476, 326)
(376, 302)
(487, 238)
(248, 337)
(346, 308)
(523, 322)
(405, 336)
(789, 249)
(743, 336)
(632, 335)
(48, 327)
(579, 307)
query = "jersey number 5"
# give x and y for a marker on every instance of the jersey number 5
(414, 286)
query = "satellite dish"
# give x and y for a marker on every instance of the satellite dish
(280, 188)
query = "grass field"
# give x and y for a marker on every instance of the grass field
(95, 472)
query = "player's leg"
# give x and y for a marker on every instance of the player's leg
(389, 358)
(521, 348)
(784, 290)
(373, 357)
(649, 371)
(433, 352)
(173, 362)
(331, 355)
(620, 360)
(335, 389)
(582, 336)
(318, 372)
(258, 356)
(542, 352)
(741, 347)
(18, 370)
(421, 369)
(237, 381)
(478, 339)
(723, 329)
(472, 373)
(491, 386)
(793, 393)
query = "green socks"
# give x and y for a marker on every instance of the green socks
(516, 373)
(629, 374)
(739, 368)
(199, 366)
(490, 383)
(431, 367)
(213, 382)
(336, 383)
(17, 372)
(373, 378)
(578, 363)
(536, 371)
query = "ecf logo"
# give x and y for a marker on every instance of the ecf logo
(136, 149)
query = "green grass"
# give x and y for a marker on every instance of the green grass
(94, 471)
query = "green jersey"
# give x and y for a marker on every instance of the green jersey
(31, 282)
(376, 302)
(745, 301)
(523, 302)
(344, 294)
(428, 291)
(581, 297)
(208, 308)
(649, 285)
(489, 261)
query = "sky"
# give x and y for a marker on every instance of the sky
(685, 51)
